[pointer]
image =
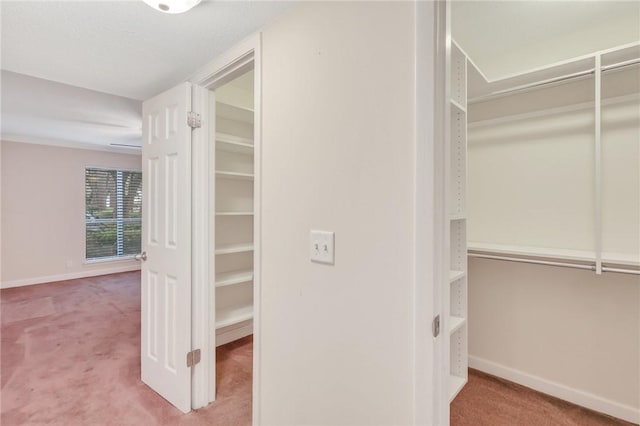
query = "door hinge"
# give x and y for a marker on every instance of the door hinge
(193, 120)
(193, 357)
(435, 326)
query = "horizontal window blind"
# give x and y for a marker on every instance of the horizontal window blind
(113, 216)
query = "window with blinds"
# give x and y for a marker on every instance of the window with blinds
(113, 214)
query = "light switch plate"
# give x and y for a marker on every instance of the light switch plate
(322, 247)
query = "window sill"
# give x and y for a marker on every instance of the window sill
(108, 260)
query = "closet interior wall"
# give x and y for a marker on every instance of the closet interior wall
(545, 188)
(555, 168)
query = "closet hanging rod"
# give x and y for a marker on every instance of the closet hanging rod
(552, 80)
(590, 267)
(620, 65)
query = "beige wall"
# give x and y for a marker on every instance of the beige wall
(43, 212)
(338, 155)
(567, 326)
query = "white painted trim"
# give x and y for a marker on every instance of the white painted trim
(257, 231)
(70, 276)
(558, 390)
(598, 163)
(69, 144)
(429, 386)
(201, 214)
(442, 164)
(214, 74)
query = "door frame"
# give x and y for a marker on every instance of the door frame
(430, 387)
(216, 73)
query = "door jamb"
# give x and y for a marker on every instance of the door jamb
(430, 386)
(216, 73)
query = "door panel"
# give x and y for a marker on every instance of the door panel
(166, 233)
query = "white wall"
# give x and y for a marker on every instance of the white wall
(565, 326)
(338, 155)
(43, 209)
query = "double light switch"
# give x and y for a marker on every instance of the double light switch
(322, 249)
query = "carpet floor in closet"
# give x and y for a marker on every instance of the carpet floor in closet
(70, 355)
(490, 401)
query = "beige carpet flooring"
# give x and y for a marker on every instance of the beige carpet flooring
(70, 355)
(490, 401)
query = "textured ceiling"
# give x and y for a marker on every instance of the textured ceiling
(123, 48)
(74, 72)
(510, 37)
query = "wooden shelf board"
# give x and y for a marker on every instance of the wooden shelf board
(234, 213)
(234, 139)
(455, 323)
(234, 112)
(455, 275)
(234, 248)
(233, 315)
(459, 107)
(234, 277)
(542, 252)
(625, 259)
(233, 175)
(235, 147)
(609, 258)
(455, 386)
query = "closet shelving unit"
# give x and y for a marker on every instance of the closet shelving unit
(234, 192)
(593, 66)
(456, 321)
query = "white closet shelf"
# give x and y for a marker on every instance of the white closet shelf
(455, 275)
(229, 138)
(233, 144)
(625, 259)
(234, 248)
(459, 107)
(233, 315)
(234, 213)
(542, 252)
(457, 217)
(455, 323)
(233, 278)
(233, 175)
(455, 386)
(234, 112)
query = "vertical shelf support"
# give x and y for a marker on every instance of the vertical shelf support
(598, 163)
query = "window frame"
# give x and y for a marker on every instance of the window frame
(106, 259)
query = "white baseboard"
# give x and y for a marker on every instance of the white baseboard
(238, 331)
(578, 397)
(70, 276)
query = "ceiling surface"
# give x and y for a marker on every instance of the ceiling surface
(504, 38)
(75, 72)
(94, 61)
(123, 48)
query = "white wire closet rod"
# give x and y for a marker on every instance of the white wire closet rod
(589, 267)
(559, 79)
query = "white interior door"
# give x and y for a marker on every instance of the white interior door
(166, 236)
